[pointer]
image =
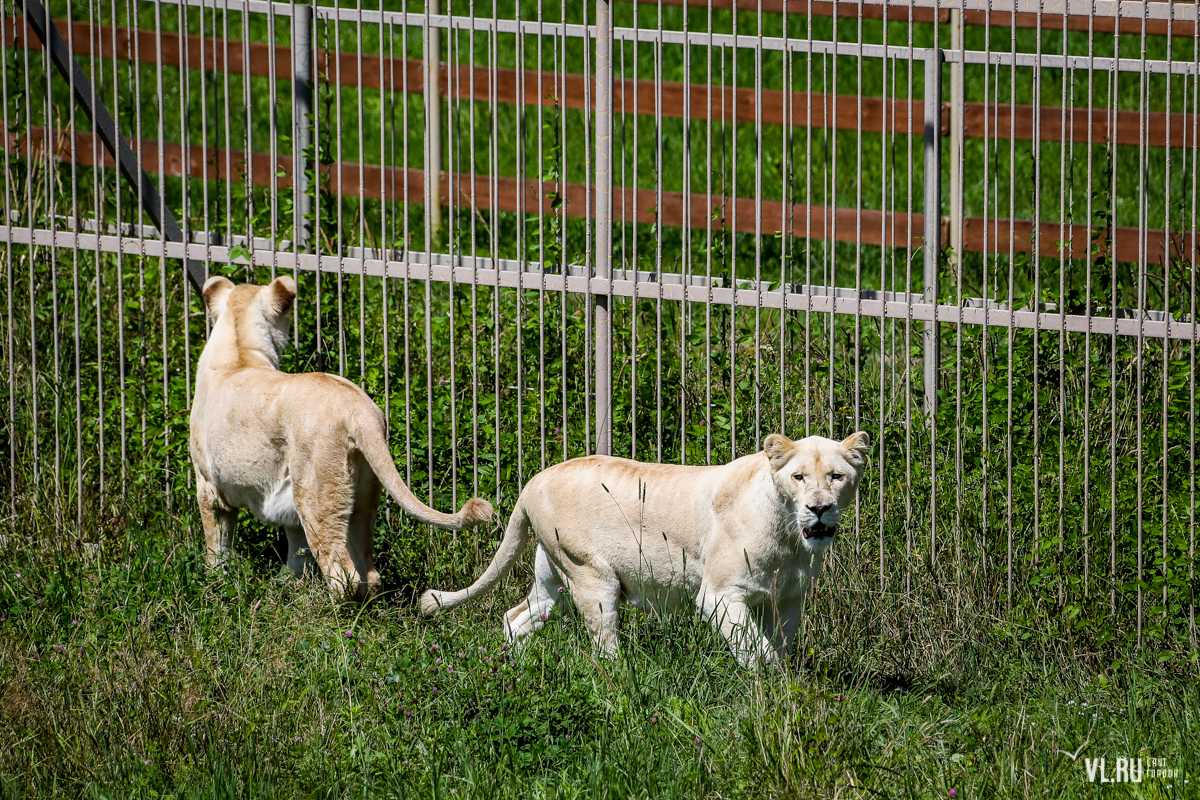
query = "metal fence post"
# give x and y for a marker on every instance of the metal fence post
(302, 100)
(604, 108)
(433, 123)
(956, 138)
(933, 216)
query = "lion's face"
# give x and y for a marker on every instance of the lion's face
(819, 477)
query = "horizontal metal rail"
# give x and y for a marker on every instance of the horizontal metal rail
(1002, 10)
(413, 267)
(1186, 14)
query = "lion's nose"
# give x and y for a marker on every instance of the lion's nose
(819, 510)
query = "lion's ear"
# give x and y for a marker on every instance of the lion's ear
(778, 449)
(215, 293)
(280, 294)
(856, 446)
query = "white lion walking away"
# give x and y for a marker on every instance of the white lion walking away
(742, 541)
(306, 452)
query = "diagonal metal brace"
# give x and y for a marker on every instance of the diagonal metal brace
(106, 127)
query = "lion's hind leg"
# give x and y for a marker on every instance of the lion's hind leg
(360, 537)
(337, 510)
(531, 613)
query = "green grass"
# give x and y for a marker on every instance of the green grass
(136, 672)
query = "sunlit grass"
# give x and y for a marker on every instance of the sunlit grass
(136, 672)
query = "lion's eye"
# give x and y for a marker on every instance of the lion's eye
(837, 476)
(798, 478)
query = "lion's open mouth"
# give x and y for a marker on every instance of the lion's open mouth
(820, 531)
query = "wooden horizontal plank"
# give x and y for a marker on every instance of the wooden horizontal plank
(697, 211)
(698, 101)
(221, 55)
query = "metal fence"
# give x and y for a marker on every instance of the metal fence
(535, 230)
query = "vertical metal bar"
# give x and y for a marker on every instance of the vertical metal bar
(541, 214)
(829, 321)
(910, 201)
(989, 178)
(1142, 215)
(406, 240)
(886, 241)
(630, 257)
(758, 293)
(1087, 301)
(1195, 229)
(603, 240)
(340, 202)
(521, 254)
(362, 203)
(205, 159)
(520, 155)
(858, 238)
(1012, 240)
(658, 233)
(432, 107)
(248, 133)
(33, 341)
(787, 245)
(729, 87)
(934, 180)
(474, 273)
(493, 183)
(302, 100)
(315, 197)
(432, 42)
(956, 139)
(273, 147)
(228, 119)
(1113, 301)
(10, 343)
(1036, 258)
(933, 217)
(95, 46)
(51, 210)
(122, 358)
(561, 95)
(387, 88)
(75, 222)
(162, 262)
(686, 308)
(1066, 208)
(956, 158)
(808, 214)
(1166, 344)
(455, 154)
(708, 241)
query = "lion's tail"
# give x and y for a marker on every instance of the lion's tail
(370, 441)
(516, 537)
